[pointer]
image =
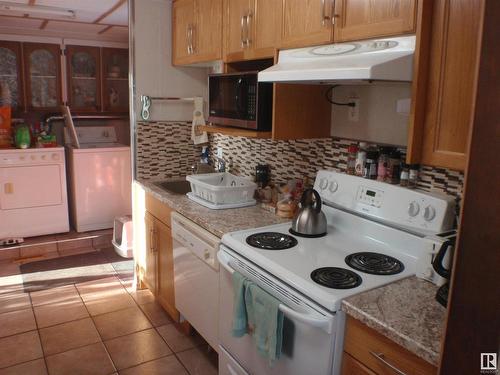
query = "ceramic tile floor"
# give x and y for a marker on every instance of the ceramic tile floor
(100, 327)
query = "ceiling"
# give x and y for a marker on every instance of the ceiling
(94, 19)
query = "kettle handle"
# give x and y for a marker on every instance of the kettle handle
(317, 198)
(437, 263)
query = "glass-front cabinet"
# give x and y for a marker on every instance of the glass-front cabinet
(115, 79)
(11, 84)
(83, 70)
(42, 64)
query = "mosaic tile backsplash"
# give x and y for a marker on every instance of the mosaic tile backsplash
(164, 149)
(303, 158)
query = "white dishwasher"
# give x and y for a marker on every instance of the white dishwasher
(196, 277)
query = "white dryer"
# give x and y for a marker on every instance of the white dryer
(100, 178)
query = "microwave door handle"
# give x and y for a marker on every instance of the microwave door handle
(326, 324)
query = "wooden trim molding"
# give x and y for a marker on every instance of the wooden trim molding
(473, 324)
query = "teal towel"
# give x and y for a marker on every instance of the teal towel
(256, 312)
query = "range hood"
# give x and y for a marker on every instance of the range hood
(389, 59)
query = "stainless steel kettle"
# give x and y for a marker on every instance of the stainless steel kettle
(309, 221)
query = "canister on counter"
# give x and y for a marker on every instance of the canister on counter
(394, 167)
(371, 164)
(405, 174)
(352, 151)
(413, 176)
(361, 159)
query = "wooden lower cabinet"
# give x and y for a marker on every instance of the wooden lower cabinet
(351, 366)
(165, 267)
(153, 249)
(368, 352)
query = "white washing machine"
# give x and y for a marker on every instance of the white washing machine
(33, 198)
(100, 178)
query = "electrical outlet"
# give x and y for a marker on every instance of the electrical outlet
(353, 112)
(219, 152)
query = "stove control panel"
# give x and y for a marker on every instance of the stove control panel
(35, 156)
(417, 210)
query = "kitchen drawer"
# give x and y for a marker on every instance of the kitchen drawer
(351, 366)
(158, 209)
(364, 343)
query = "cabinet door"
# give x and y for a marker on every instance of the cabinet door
(11, 85)
(265, 27)
(166, 295)
(236, 28)
(115, 79)
(150, 272)
(356, 19)
(451, 92)
(350, 366)
(42, 64)
(306, 23)
(83, 66)
(182, 25)
(207, 30)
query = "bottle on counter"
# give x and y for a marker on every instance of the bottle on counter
(352, 152)
(393, 167)
(360, 159)
(371, 164)
(405, 174)
(383, 163)
(413, 176)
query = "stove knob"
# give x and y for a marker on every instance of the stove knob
(55, 156)
(429, 213)
(413, 209)
(44, 157)
(333, 186)
(323, 184)
(33, 157)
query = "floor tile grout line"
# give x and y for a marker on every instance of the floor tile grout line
(95, 326)
(38, 333)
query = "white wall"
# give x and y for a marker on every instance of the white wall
(378, 120)
(154, 73)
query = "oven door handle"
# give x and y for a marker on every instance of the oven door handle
(326, 324)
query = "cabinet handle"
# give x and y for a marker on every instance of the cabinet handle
(334, 15)
(187, 39)
(247, 23)
(242, 37)
(324, 16)
(380, 357)
(152, 240)
(193, 47)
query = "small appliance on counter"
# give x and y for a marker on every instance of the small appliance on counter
(309, 221)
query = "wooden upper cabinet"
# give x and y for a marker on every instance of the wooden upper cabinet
(83, 65)
(197, 31)
(42, 72)
(115, 88)
(11, 77)
(251, 29)
(355, 20)
(447, 107)
(306, 23)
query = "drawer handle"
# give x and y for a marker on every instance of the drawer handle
(380, 357)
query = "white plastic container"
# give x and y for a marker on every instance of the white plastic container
(222, 188)
(123, 236)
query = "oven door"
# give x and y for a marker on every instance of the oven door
(308, 330)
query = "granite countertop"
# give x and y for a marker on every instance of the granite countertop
(217, 222)
(405, 312)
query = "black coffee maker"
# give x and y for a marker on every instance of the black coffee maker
(437, 264)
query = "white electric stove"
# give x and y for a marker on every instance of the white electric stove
(377, 233)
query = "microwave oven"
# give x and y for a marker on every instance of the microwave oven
(239, 100)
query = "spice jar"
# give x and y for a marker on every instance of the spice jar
(394, 167)
(361, 159)
(383, 163)
(405, 174)
(352, 151)
(413, 176)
